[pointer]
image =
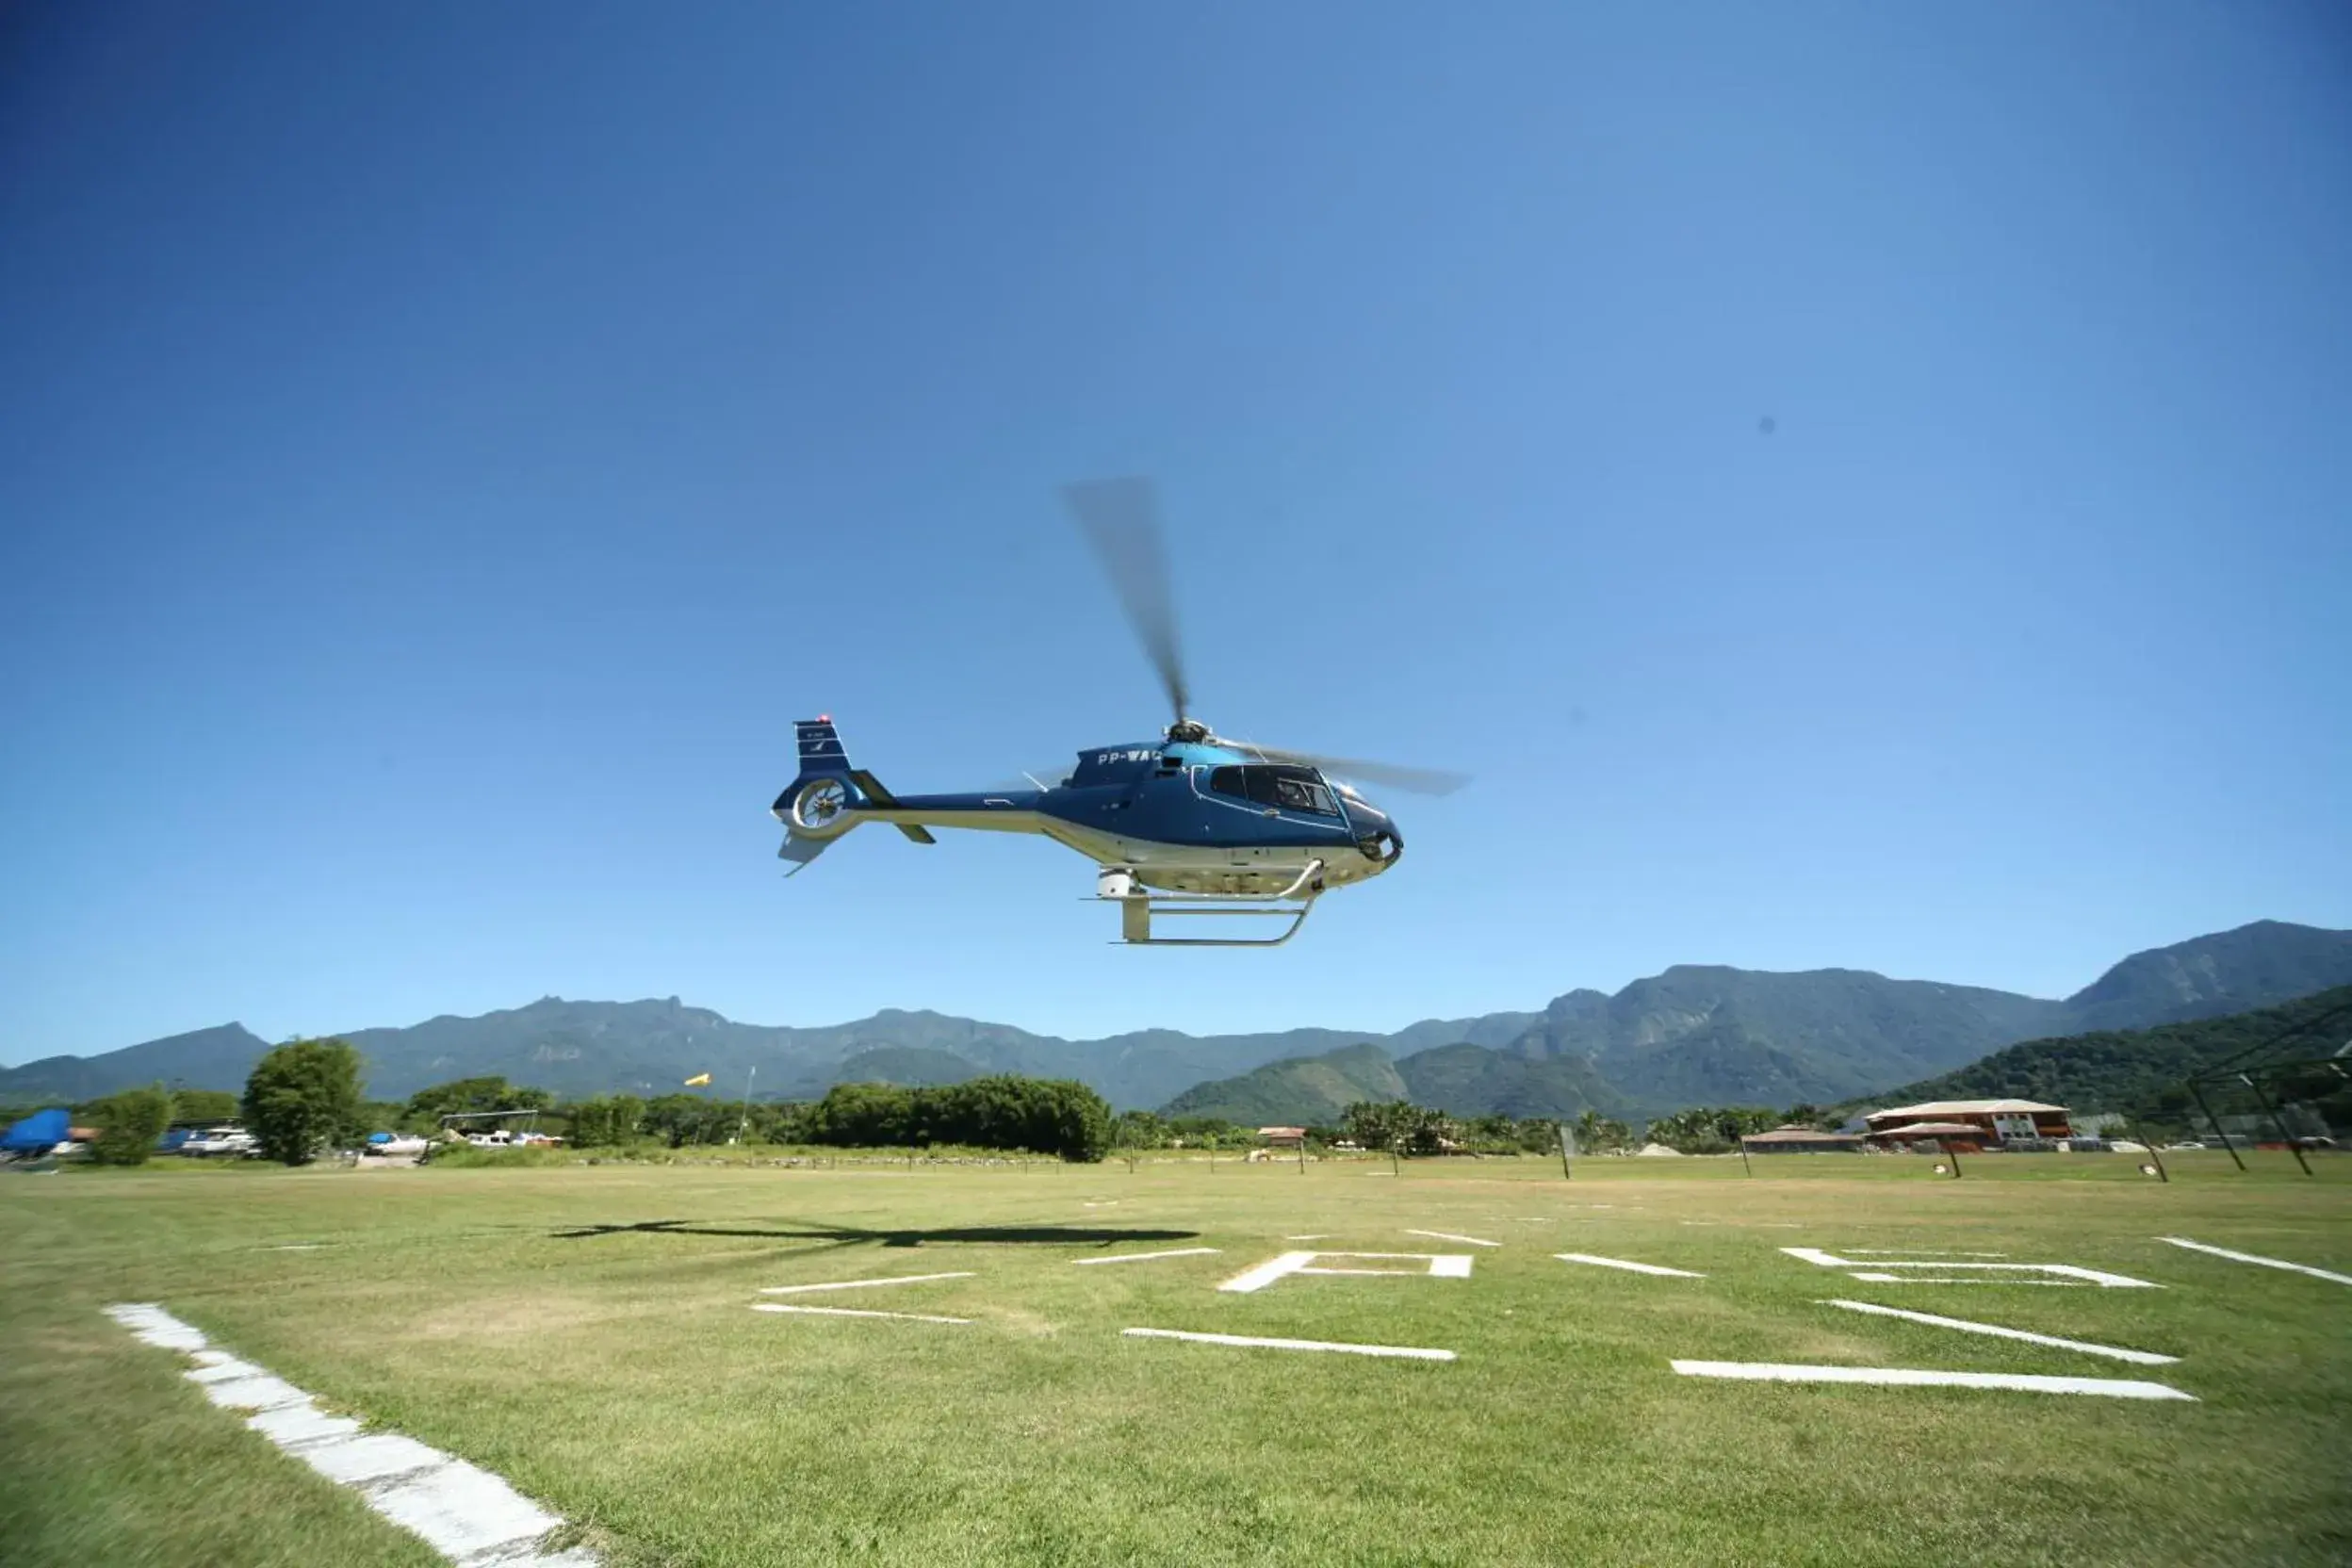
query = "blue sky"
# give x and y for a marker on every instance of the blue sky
(443, 446)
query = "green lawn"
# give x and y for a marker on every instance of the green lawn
(587, 1334)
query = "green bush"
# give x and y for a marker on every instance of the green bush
(1044, 1115)
(128, 1125)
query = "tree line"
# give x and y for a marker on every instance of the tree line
(305, 1097)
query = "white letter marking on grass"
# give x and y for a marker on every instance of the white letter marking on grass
(2088, 1276)
(467, 1515)
(1446, 1235)
(1757, 1371)
(1443, 1266)
(1407, 1352)
(1145, 1257)
(2114, 1352)
(853, 1312)
(2249, 1257)
(1626, 1264)
(862, 1284)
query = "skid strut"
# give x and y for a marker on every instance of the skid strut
(1139, 904)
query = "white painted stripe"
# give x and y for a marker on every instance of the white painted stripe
(2255, 1258)
(1868, 1278)
(465, 1513)
(2120, 1388)
(1140, 1257)
(853, 1312)
(1627, 1263)
(1407, 1352)
(1449, 1236)
(1916, 1253)
(2114, 1352)
(862, 1284)
(1318, 1236)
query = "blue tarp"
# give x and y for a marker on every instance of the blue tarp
(36, 1132)
(379, 1138)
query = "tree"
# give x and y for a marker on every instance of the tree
(304, 1096)
(128, 1125)
(1710, 1130)
(1133, 1131)
(606, 1122)
(1597, 1133)
(427, 1106)
(203, 1106)
(679, 1120)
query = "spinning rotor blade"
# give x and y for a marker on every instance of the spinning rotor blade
(1419, 781)
(1121, 517)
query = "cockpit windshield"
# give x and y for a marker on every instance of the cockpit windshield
(1286, 788)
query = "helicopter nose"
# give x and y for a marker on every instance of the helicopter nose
(1378, 838)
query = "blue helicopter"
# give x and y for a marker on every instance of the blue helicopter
(1190, 823)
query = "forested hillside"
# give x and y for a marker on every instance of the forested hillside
(2135, 1071)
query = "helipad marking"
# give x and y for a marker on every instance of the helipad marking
(853, 1312)
(1144, 1257)
(2256, 1258)
(1443, 1266)
(1447, 1235)
(1407, 1352)
(1822, 1258)
(862, 1284)
(2114, 1352)
(2120, 1388)
(1627, 1263)
(464, 1512)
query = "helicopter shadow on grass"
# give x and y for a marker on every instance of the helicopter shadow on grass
(831, 1236)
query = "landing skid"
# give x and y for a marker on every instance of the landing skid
(1139, 904)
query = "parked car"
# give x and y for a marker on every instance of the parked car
(220, 1140)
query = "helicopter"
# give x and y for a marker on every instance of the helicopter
(1189, 823)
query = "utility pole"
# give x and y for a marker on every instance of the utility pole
(741, 1127)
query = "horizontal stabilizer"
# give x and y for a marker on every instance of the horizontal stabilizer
(872, 789)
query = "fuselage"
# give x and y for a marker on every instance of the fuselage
(1185, 816)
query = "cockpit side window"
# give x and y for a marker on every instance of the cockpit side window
(1302, 794)
(1286, 788)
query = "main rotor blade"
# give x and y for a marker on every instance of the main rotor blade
(1419, 781)
(1121, 517)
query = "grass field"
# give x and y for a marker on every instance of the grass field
(588, 1334)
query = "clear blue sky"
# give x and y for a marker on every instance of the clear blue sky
(442, 447)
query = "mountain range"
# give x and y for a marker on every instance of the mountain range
(1695, 1034)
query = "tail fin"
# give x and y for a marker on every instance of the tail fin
(820, 804)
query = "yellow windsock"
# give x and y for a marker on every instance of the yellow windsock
(697, 1080)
